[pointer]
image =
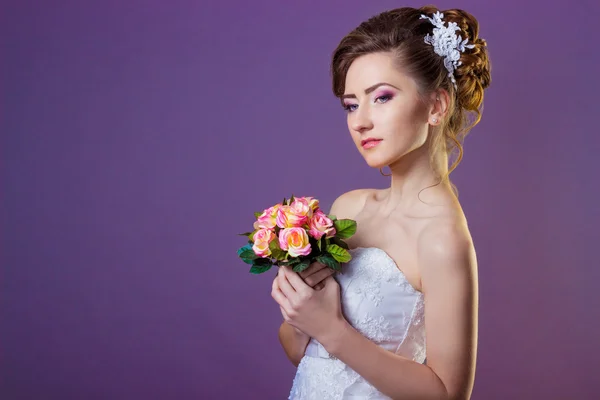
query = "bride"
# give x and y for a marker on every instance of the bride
(400, 320)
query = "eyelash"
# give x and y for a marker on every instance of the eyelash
(388, 96)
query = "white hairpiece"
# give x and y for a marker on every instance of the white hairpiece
(446, 43)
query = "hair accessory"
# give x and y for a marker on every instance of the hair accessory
(446, 43)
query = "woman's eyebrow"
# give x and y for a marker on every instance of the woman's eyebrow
(368, 90)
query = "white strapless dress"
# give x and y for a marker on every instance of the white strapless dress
(380, 303)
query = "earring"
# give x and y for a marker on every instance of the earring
(435, 120)
(381, 172)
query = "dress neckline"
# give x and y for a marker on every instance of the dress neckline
(386, 255)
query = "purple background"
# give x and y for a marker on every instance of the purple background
(139, 137)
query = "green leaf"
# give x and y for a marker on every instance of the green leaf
(339, 242)
(249, 235)
(332, 217)
(291, 262)
(247, 254)
(263, 261)
(259, 269)
(302, 265)
(274, 244)
(278, 254)
(258, 214)
(242, 249)
(328, 260)
(344, 228)
(340, 254)
(295, 260)
(314, 247)
(292, 199)
(261, 265)
(324, 242)
(276, 251)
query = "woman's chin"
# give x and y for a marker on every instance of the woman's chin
(376, 163)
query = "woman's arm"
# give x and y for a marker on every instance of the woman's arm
(449, 278)
(293, 341)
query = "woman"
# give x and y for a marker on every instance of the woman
(400, 320)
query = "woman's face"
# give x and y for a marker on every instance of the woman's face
(383, 104)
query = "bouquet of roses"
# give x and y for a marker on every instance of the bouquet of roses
(296, 233)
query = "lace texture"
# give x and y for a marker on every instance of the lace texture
(446, 42)
(379, 302)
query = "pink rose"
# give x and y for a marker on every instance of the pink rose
(312, 202)
(301, 206)
(267, 219)
(262, 238)
(291, 217)
(320, 225)
(294, 241)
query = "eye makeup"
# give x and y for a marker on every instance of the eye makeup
(382, 96)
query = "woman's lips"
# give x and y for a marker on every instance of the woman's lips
(370, 143)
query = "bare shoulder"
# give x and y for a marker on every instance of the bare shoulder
(349, 204)
(446, 242)
(444, 235)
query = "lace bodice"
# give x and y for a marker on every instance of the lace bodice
(379, 302)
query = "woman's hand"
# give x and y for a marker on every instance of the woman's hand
(314, 312)
(276, 288)
(315, 274)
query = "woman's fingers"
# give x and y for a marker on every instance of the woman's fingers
(284, 283)
(294, 279)
(315, 273)
(318, 276)
(314, 267)
(278, 295)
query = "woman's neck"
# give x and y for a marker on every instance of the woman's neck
(413, 173)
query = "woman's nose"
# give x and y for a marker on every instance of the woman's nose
(361, 121)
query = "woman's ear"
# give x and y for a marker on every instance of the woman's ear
(439, 106)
